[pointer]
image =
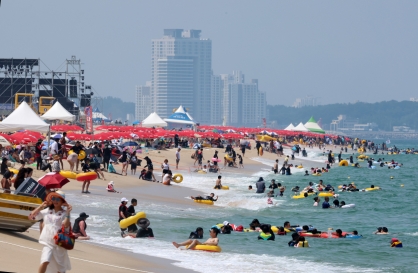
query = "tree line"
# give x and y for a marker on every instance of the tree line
(385, 114)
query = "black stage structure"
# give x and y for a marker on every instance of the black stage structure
(32, 76)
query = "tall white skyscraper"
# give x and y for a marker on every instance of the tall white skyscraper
(143, 101)
(242, 104)
(181, 73)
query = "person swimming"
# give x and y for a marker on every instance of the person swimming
(296, 189)
(294, 241)
(382, 231)
(269, 201)
(266, 234)
(339, 233)
(395, 243)
(209, 197)
(254, 224)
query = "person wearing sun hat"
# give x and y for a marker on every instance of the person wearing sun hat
(53, 257)
(56, 164)
(80, 226)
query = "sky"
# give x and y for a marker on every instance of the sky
(337, 51)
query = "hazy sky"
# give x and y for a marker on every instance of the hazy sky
(339, 51)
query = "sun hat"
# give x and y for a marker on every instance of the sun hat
(143, 223)
(226, 223)
(394, 240)
(124, 199)
(59, 194)
(84, 215)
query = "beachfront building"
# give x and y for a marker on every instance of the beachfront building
(181, 73)
(243, 104)
(306, 101)
(143, 101)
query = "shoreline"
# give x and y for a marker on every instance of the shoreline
(85, 257)
(175, 196)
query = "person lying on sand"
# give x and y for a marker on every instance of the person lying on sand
(212, 241)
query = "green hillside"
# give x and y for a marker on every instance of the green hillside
(386, 114)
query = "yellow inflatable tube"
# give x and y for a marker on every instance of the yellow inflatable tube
(317, 174)
(13, 170)
(206, 202)
(178, 178)
(223, 188)
(372, 189)
(325, 194)
(302, 195)
(125, 223)
(343, 163)
(68, 174)
(206, 248)
(81, 155)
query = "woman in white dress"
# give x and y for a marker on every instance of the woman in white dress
(54, 258)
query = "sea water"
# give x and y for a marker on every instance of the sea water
(394, 207)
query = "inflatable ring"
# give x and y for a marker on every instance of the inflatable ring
(325, 194)
(316, 174)
(300, 167)
(351, 236)
(206, 248)
(86, 176)
(206, 202)
(302, 195)
(125, 223)
(81, 155)
(178, 178)
(223, 188)
(13, 170)
(274, 229)
(68, 174)
(372, 189)
(228, 158)
(343, 163)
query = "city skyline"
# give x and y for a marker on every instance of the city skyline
(182, 75)
(338, 51)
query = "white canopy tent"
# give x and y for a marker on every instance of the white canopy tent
(58, 112)
(300, 128)
(23, 118)
(153, 120)
(181, 117)
(290, 127)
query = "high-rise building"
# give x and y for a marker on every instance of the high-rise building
(242, 103)
(216, 100)
(306, 101)
(181, 73)
(143, 101)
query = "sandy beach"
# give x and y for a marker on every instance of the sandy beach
(89, 257)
